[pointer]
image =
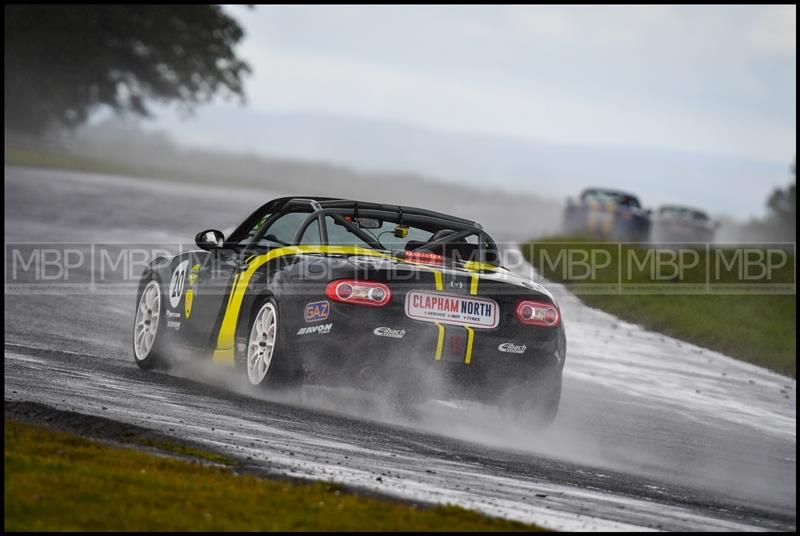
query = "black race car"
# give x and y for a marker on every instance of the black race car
(409, 302)
(607, 213)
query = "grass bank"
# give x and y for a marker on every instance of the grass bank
(718, 301)
(52, 159)
(56, 480)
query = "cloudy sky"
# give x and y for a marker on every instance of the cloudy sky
(715, 81)
(705, 79)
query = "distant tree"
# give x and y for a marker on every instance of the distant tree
(64, 61)
(782, 205)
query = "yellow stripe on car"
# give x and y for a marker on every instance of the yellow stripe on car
(609, 218)
(440, 342)
(439, 282)
(224, 352)
(225, 355)
(439, 278)
(227, 330)
(473, 289)
(470, 338)
(473, 284)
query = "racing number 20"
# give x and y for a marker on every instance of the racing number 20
(176, 285)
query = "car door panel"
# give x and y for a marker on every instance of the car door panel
(209, 285)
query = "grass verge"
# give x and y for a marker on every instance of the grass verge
(58, 160)
(60, 481)
(15, 156)
(754, 326)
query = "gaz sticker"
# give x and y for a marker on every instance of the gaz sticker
(317, 311)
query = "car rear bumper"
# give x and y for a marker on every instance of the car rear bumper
(353, 341)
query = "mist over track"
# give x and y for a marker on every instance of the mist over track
(653, 432)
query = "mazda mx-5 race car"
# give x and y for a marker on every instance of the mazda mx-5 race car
(682, 225)
(607, 213)
(408, 302)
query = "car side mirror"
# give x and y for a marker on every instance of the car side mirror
(210, 239)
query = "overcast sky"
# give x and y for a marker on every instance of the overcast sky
(718, 80)
(691, 104)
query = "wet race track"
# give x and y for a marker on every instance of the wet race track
(652, 432)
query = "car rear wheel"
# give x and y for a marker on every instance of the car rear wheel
(408, 388)
(148, 328)
(535, 405)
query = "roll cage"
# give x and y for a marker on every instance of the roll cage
(338, 209)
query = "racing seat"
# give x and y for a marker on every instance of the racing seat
(441, 233)
(411, 245)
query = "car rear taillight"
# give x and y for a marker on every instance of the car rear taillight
(359, 292)
(424, 257)
(533, 313)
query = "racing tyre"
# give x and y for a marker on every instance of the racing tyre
(263, 357)
(148, 328)
(537, 407)
(407, 390)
